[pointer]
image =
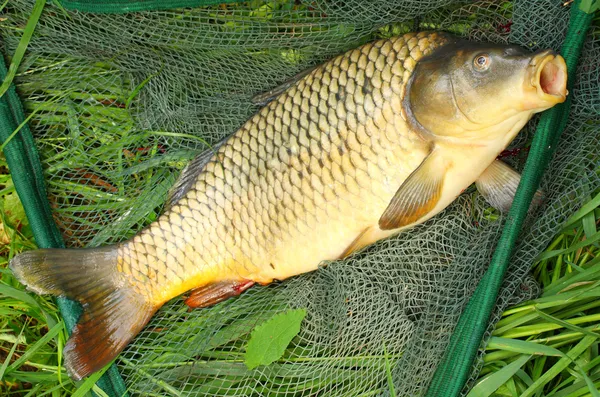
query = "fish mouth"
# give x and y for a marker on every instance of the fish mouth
(549, 77)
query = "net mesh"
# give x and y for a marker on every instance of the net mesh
(119, 103)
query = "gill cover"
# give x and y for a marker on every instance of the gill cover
(463, 88)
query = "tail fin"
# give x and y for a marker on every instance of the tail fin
(113, 312)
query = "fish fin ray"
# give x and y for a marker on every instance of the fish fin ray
(366, 237)
(214, 293)
(265, 97)
(113, 313)
(498, 185)
(190, 173)
(417, 196)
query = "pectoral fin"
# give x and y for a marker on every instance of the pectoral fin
(498, 185)
(418, 195)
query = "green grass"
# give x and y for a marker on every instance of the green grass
(550, 345)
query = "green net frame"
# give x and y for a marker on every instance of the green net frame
(456, 366)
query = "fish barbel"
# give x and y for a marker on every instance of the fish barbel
(369, 143)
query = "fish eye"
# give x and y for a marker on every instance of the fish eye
(481, 62)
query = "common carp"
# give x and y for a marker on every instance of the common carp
(374, 141)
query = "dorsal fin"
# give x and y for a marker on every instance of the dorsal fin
(265, 97)
(190, 172)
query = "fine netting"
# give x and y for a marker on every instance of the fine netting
(119, 103)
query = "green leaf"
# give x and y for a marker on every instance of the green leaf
(270, 339)
(589, 207)
(565, 324)
(12, 351)
(36, 346)
(14, 210)
(589, 224)
(19, 295)
(582, 244)
(89, 383)
(589, 6)
(487, 386)
(521, 346)
(388, 371)
(20, 51)
(552, 372)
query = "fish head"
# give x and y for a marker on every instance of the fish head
(480, 91)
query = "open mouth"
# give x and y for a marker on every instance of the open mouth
(550, 78)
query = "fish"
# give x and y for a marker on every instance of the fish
(372, 142)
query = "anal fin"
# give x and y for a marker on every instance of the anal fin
(213, 293)
(498, 185)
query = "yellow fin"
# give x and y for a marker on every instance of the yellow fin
(498, 185)
(417, 196)
(366, 237)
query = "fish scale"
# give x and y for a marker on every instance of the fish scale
(332, 143)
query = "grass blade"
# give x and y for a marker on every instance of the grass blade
(388, 371)
(524, 347)
(582, 244)
(589, 207)
(89, 383)
(19, 295)
(565, 324)
(559, 366)
(487, 386)
(22, 47)
(36, 346)
(11, 352)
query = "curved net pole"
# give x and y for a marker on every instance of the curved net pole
(456, 365)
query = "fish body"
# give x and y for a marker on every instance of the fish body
(296, 184)
(372, 142)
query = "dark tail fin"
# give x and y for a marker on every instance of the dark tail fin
(113, 312)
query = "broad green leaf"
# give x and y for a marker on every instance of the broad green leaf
(589, 224)
(490, 384)
(6, 290)
(14, 210)
(270, 339)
